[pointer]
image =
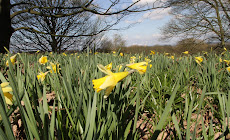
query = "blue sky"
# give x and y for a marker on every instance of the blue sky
(146, 31)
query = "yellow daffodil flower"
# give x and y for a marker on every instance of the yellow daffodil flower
(204, 52)
(42, 76)
(166, 54)
(54, 67)
(198, 60)
(109, 81)
(152, 52)
(6, 89)
(64, 54)
(228, 69)
(121, 54)
(147, 60)
(113, 52)
(140, 67)
(51, 53)
(132, 59)
(12, 59)
(37, 51)
(220, 59)
(119, 68)
(109, 66)
(172, 57)
(43, 60)
(186, 52)
(225, 49)
(227, 62)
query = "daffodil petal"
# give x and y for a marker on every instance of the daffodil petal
(8, 98)
(109, 81)
(108, 91)
(7, 89)
(109, 66)
(103, 69)
(4, 84)
(120, 75)
(98, 82)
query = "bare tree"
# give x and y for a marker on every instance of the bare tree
(207, 19)
(113, 11)
(113, 44)
(118, 41)
(53, 33)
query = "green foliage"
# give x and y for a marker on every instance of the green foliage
(178, 98)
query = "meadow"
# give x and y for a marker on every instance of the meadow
(165, 97)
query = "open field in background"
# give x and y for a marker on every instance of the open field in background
(176, 98)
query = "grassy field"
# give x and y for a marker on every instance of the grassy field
(177, 97)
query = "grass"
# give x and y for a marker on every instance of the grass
(174, 99)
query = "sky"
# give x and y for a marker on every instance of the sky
(146, 31)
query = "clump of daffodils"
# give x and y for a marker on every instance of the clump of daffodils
(109, 81)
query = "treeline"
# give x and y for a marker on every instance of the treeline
(192, 45)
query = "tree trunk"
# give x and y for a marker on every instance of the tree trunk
(6, 29)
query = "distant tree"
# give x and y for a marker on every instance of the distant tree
(113, 44)
(118, 41)
(111, 11)
(190, 42)
(208, 19)
(106, 45)
(192, 45)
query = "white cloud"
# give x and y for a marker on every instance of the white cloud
(156, 35)
(148, 40)
(151, 2)
(133, 21)
(145, 1)
(156, 14)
